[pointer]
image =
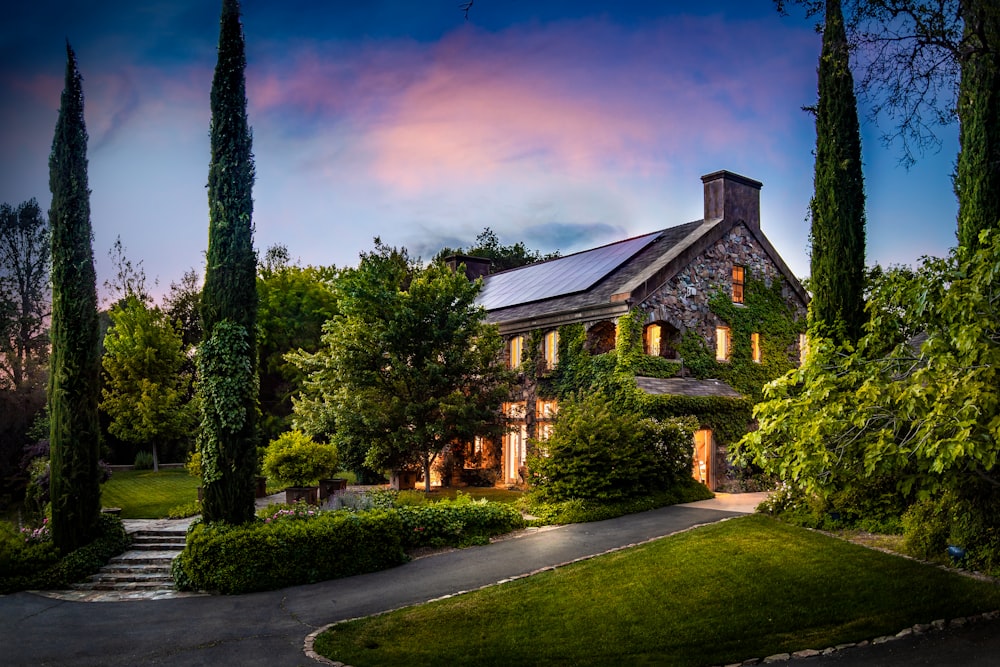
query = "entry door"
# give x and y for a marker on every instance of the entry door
(703, 464)
(515, 454)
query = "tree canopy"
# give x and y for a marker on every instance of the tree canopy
(146, 391)
(502, 256)
(407, 367)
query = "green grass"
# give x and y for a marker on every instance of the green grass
(144, 494)
(749, 587)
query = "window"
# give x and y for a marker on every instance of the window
(737, 284)
(516, 351)
(551, 350)
(477, 445)
(803, 348)
(654, 334)
(722, 343)
(546, 409)
(755, 347)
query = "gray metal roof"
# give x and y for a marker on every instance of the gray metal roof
(559, 277)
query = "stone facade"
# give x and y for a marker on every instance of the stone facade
(683, 301)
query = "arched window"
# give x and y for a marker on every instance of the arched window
(551, 349)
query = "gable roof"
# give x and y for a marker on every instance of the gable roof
(605, 282)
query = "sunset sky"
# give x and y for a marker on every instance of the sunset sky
(563, 124)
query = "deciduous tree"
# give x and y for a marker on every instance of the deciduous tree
(145, 394)
(74, 377)
(408, 365)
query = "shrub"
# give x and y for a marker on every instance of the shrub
(582, 511)
(143, 460)
(37, 566)
(183, 511)
(262, 556)
(295, 459)
(458, 522)
(193, 464)
(598, 453)
(926, 525)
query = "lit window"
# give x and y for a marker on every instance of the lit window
(737, 284)
(546, 409)
(722, 343)
(653, 336)
(803, 348)
(551, 349)
(755, 347)
(477, 445)
(516, 351)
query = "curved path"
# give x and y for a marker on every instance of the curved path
(269, 628)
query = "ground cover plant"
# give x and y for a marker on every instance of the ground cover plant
(31, 561)
(144, 494)
(723, 593)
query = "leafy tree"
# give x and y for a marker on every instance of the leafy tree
(977, 173)
(74, 378)
(838, 204)
(228, 358)
(503, 256)
(24, 296)
(295, 303)
(408, 366)
(146, 387)
(183, 304)
(924, 410)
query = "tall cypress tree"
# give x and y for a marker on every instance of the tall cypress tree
(838, 204)
(74, 376)
(227, 358)
(977, 173)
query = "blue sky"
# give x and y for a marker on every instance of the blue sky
(565, 124)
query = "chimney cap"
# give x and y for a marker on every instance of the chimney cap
(731, 176)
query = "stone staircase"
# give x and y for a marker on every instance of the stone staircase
(142, 572)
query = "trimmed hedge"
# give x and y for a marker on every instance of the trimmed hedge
(460, 522)
(578, 510)
(38, 567)
(294, 545)
(262, 556)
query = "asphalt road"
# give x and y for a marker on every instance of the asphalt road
(270, 628)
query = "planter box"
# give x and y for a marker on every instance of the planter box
(310, 494)
(331, 487)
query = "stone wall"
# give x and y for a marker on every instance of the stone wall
(683, 301)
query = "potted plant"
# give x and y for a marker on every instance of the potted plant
(297, 461)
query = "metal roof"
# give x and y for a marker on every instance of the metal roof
(558, 277)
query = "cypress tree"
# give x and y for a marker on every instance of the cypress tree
(838, 204)
(977, 172)
(74, 376)
(227, 358)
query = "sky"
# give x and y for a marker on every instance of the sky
(562, 124)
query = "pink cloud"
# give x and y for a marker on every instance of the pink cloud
(576, 97)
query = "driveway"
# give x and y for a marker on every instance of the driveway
(270, 628)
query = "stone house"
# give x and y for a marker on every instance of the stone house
(667, 276)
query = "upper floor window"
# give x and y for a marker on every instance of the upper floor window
(654, 335)
(738, 282)
(722, 343)
(551, 349)
(516, 351)
(755, 352)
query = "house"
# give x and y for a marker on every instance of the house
(668, 277)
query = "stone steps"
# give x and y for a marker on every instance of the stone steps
(142, 570)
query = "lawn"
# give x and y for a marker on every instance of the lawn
(749, 587)
(144, 494)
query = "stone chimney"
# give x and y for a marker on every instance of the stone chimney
(731, 196)
(474, 266)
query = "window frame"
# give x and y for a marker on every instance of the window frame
(739, 283)
(756, 354)
(723, 343)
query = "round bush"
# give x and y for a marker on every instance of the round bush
(295, 459)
